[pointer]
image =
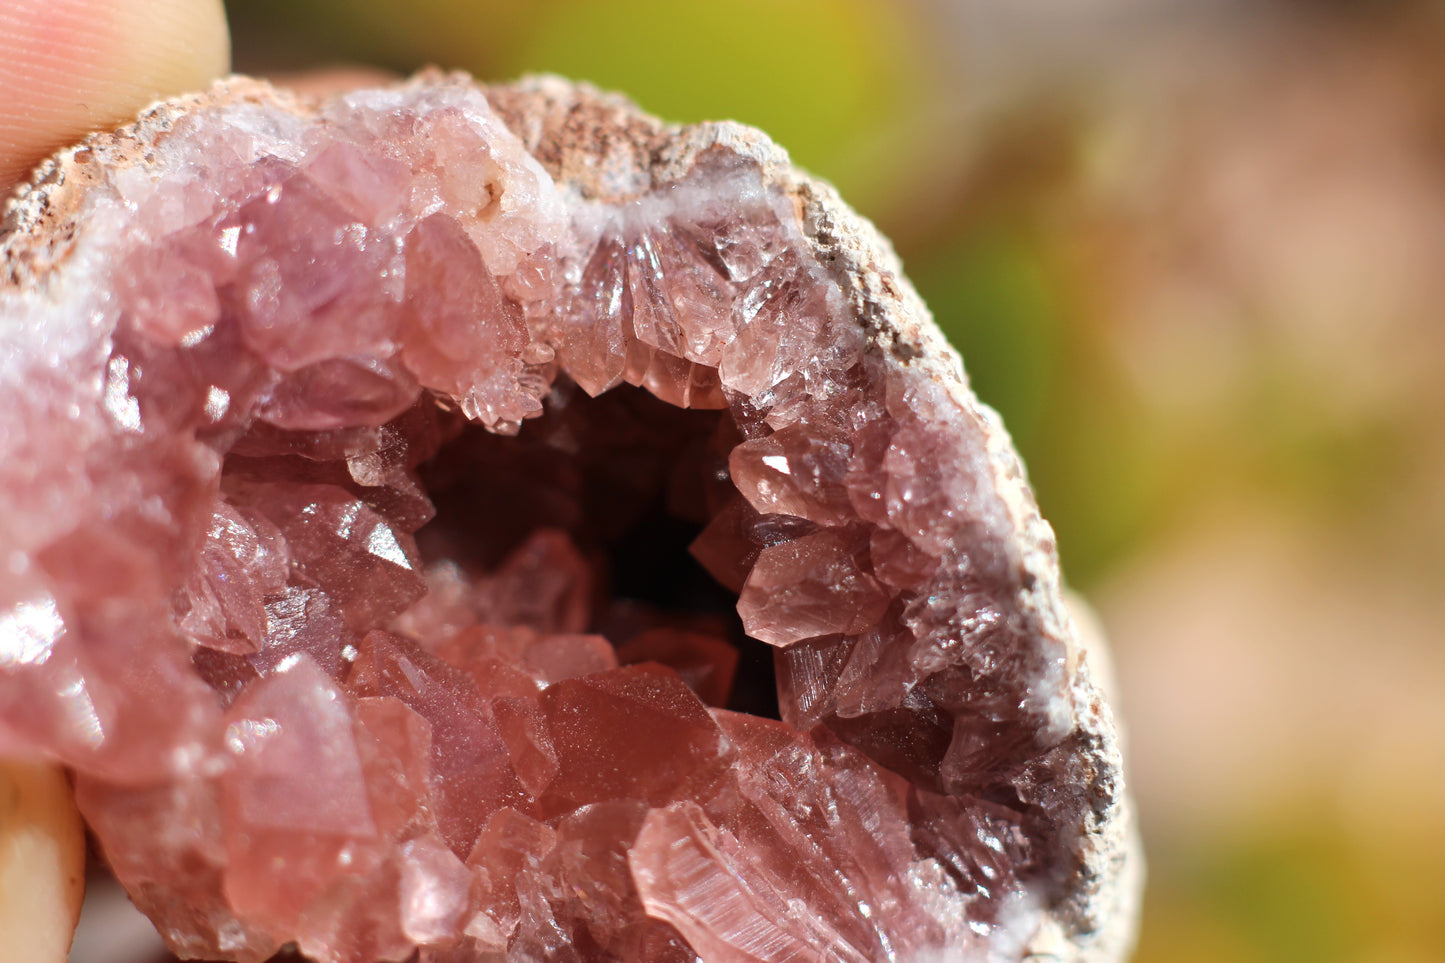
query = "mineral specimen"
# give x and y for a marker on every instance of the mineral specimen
(351, 454)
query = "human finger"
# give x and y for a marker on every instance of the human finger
(68, 67)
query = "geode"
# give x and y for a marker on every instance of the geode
(464, 523)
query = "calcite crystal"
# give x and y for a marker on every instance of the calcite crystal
(352, 452)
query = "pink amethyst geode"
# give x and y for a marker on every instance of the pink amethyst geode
(416, 504)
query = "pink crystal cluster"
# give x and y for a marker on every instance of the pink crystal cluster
(314, 590)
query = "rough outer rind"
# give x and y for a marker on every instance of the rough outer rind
(599, 146)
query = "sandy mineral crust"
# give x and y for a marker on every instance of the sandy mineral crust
(935, 592)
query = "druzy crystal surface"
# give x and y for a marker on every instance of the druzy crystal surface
(402, 533)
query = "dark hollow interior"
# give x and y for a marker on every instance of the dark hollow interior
(632, 480)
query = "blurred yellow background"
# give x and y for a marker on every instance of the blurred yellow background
(1194, 251)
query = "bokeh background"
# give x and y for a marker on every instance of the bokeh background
(1194, 252)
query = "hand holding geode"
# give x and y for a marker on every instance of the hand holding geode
(343, 448)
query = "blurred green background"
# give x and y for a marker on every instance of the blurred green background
(1192, 250)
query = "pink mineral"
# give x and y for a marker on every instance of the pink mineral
(457, 524)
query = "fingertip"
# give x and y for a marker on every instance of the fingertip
(68, 67)
(42, 863)
(174, 47)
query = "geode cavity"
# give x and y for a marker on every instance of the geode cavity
(416, 503)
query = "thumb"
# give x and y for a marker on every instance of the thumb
(68, 67)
